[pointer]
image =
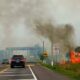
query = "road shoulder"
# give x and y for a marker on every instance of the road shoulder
(46, 74)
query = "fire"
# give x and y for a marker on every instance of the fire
(74, 57)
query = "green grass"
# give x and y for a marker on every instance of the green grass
(70, 70)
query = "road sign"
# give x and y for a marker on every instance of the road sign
(45, 54)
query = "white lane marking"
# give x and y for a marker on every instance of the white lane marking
(9, 72)
(17, 75)
(14, 72)
(35, 78)
(4, 70)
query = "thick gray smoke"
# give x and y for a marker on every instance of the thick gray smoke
(15, 15)
(24, 12)
(14, 10)
(61, 34)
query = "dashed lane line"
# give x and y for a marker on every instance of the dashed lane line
(4, 70)
(16, 75)
(35, 78)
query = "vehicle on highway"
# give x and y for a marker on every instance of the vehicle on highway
(5, 61)
(17, 61)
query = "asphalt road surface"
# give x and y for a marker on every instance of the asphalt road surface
(43, 73)
(36, 72)
(17, 74)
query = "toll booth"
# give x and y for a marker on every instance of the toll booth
(30, 53)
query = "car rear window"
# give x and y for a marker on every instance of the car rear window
(17, 56)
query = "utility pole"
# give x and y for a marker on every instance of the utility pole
(43, 46)
(52, 54)
(43, 52)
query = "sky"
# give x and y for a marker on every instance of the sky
(17, 19)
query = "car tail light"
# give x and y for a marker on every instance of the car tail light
(11, 60)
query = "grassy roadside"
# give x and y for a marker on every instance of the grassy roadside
(70, 70)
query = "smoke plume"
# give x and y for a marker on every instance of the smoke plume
(61, 34)
(25, 12)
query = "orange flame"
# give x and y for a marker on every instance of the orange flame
(74, 57)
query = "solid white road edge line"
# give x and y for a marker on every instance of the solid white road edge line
(32, 73)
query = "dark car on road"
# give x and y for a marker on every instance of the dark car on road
(17, 61)
(5, 61)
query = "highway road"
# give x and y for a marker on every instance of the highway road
(17, 74)
(43, 73)
(36, 72)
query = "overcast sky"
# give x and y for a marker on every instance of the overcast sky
(17, 19)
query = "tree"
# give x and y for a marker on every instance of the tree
(42, 57)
